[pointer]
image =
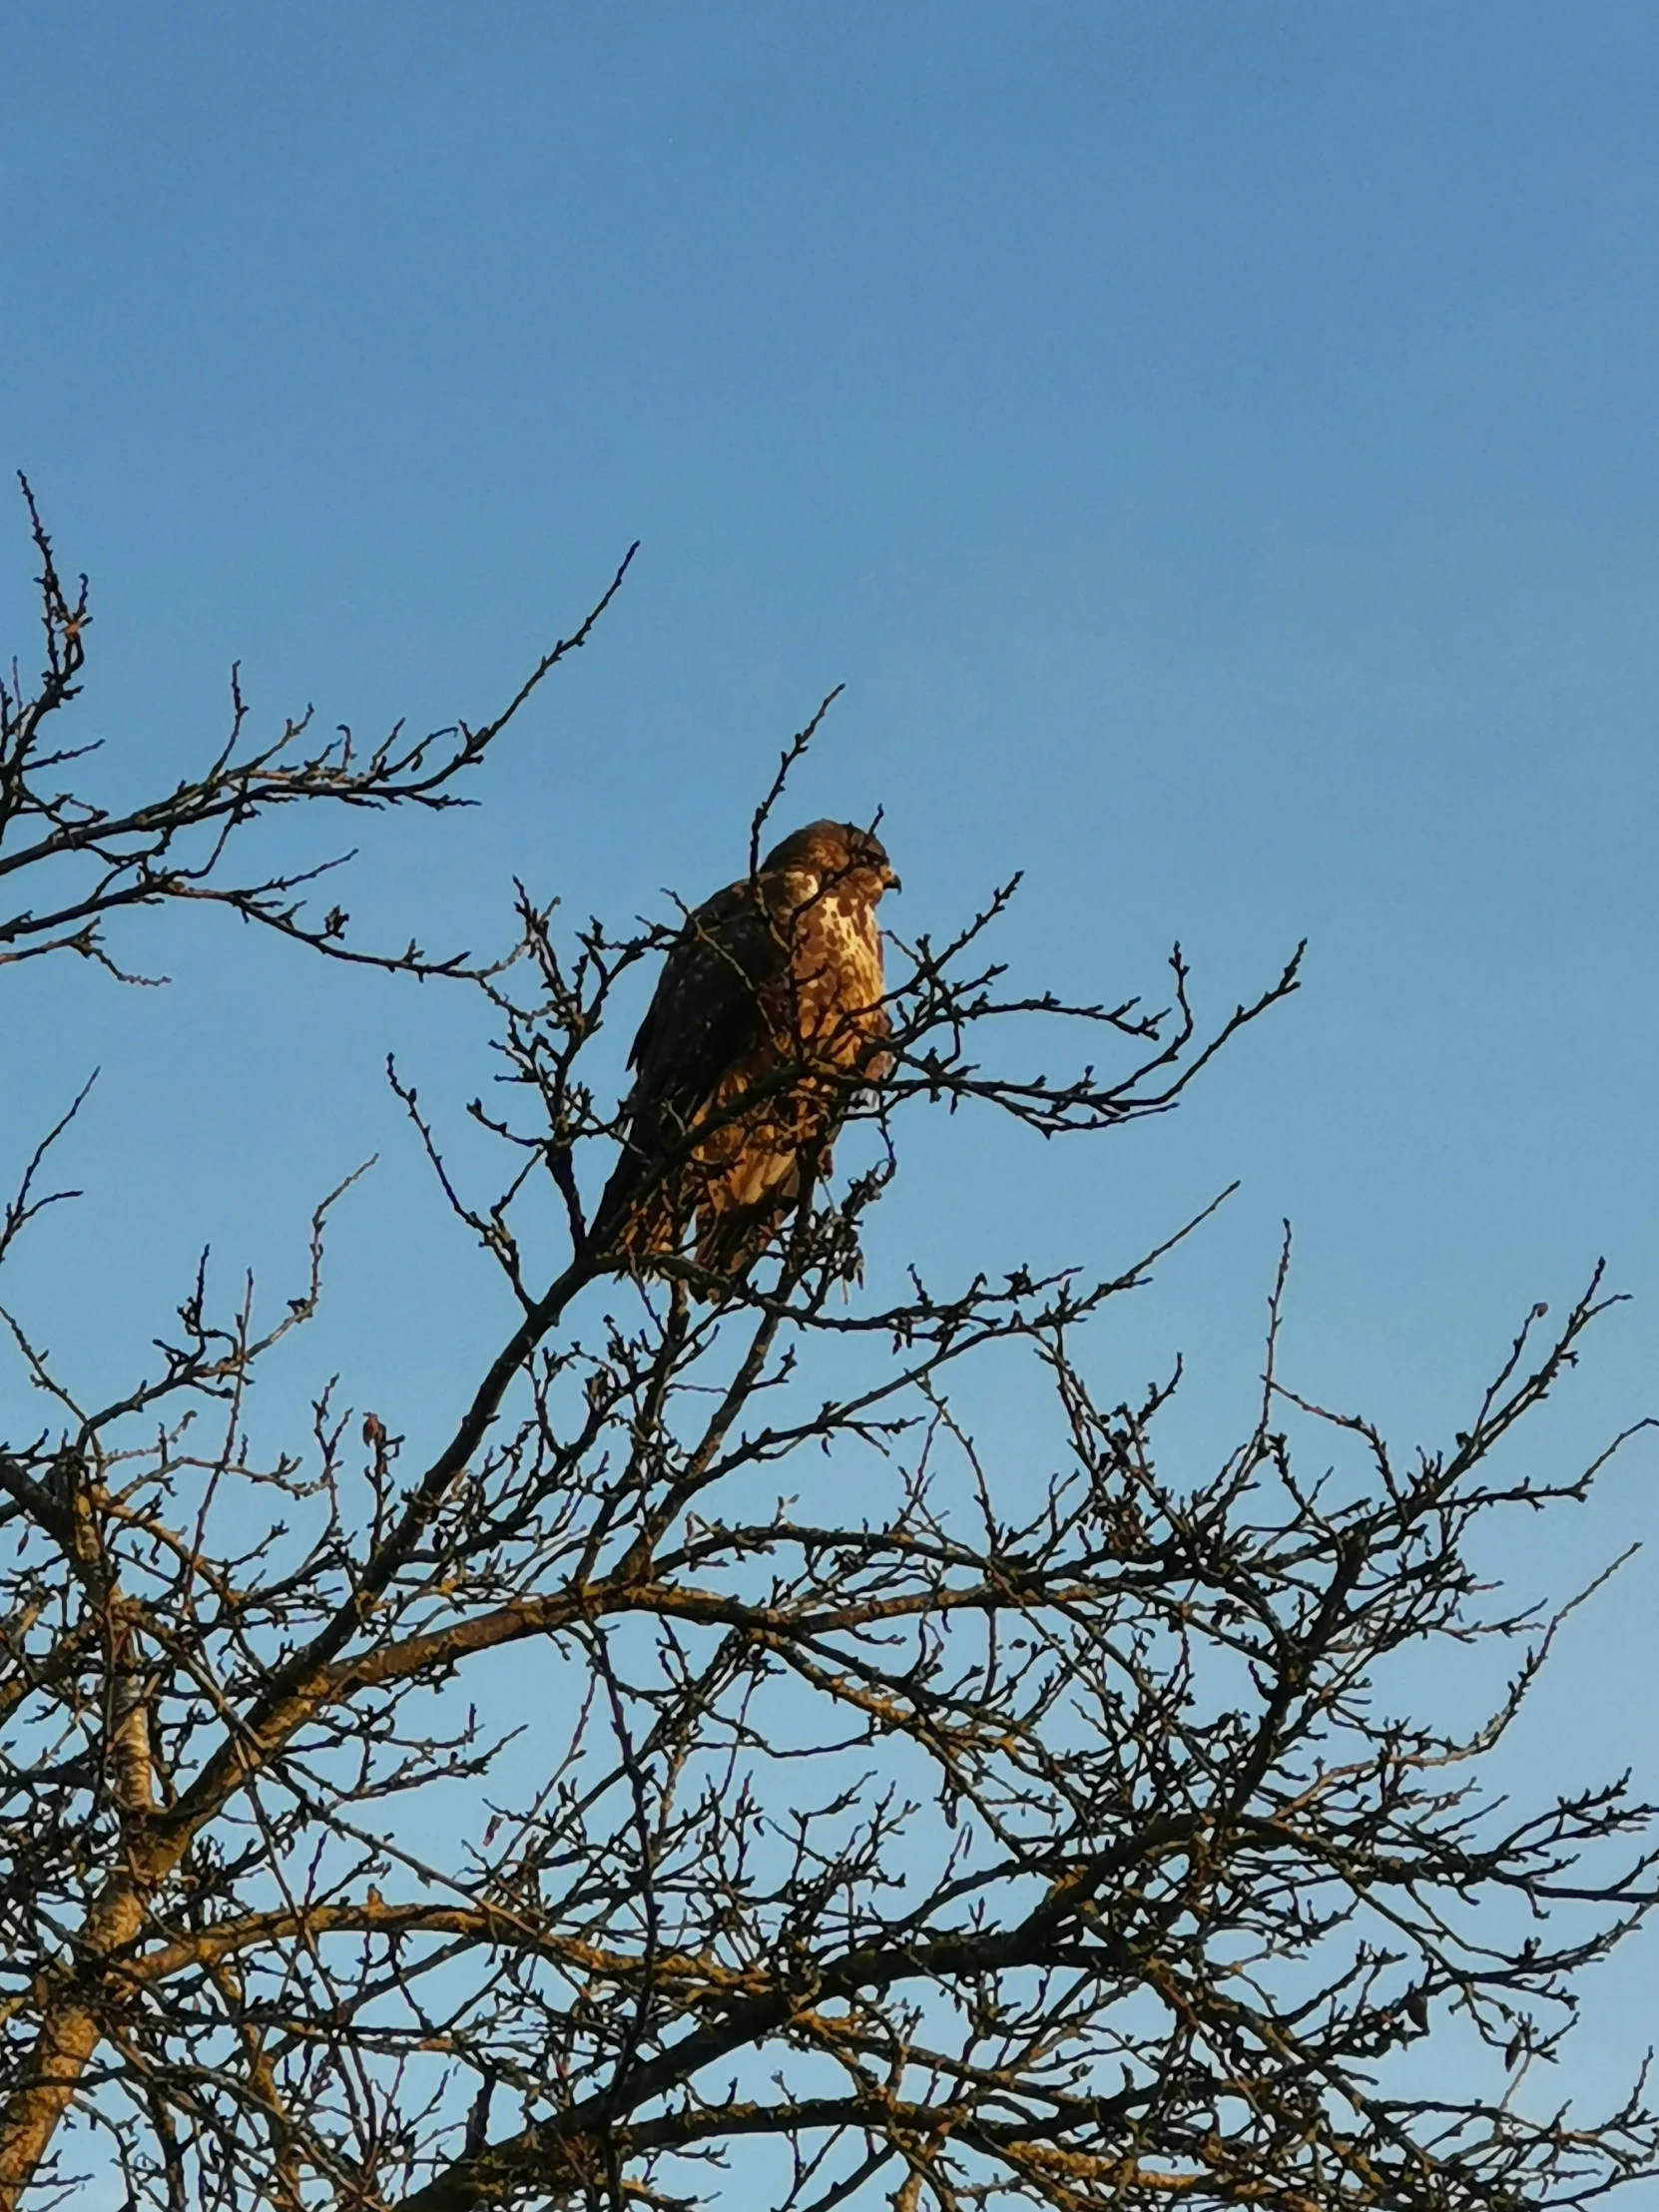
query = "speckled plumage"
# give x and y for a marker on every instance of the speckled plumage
(767, 1018)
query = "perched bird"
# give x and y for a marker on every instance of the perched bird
(767, 1019)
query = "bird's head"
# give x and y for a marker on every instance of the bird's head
(836, 853)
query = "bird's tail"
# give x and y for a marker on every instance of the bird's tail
(729, 1239)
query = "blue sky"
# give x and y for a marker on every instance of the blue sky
(1214, 444)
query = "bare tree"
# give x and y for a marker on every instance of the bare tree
(1045, 1833)
(78, 862)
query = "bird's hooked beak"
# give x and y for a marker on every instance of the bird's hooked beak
(889, 881)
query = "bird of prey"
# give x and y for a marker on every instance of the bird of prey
(766, 1020)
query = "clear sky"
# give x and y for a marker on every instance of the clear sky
(1213, 443)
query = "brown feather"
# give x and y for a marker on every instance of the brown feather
(770, 995)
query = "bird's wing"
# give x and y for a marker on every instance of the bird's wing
(706, 1013)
